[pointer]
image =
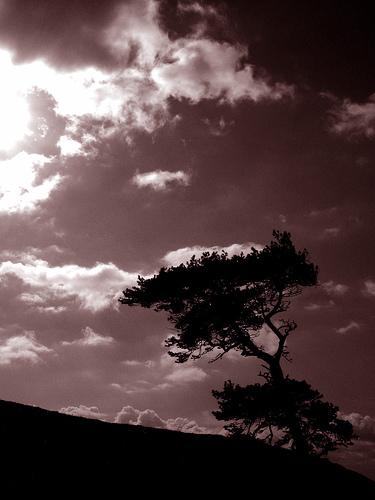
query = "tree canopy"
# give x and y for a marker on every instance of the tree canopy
(220, 303)
(260, 411)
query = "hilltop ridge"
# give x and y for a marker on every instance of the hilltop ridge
(52, 454)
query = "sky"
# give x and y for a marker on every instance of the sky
(134, 134)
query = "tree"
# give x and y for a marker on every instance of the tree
(259, 411)
(218, 304)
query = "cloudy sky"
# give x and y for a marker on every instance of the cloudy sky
(135, 133)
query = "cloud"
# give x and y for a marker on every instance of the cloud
(118, 101)
(361, 456)
(267, 340)
(336, 289)
(200, 68)
(140, 386)
(331, 232)
(94, 288)
(353, 119)
(160, 180)
(218, 127)
(182, 255)
(14, 117)
(364, 426)
(133, 362)
(149, 418)
(68, 146)
(23, 347)
(323, 213)
(134, 35)
(63, 33)
(312, 306)
(22, 183)
(181, 373)
(91, 339)
(185, 374)
(83, 411)
(350, 327)
(127, 415)
(369, 288)
(124, 72)
(194, 67)
(203, 10)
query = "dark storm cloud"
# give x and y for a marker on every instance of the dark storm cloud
(321, 45)
(66, 33)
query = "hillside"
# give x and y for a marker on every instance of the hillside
(57, 455)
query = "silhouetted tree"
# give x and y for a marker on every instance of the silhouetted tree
(260, 411)
(218, 304)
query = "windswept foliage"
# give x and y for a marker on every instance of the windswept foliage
(217, 303)
(261, 411)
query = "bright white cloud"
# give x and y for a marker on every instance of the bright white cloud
(182, 255)
(181, 373)
(68, 146)
(160, 180)
(91, 339)
(136, 25)
(83, 411)
(353, 325)
(20, 189)
(23, 347)
(354, 119)
(149, 418)
(128, 415)
(186, 374)
(95, 288)
(198, 69)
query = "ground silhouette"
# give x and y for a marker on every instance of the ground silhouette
(56, 455)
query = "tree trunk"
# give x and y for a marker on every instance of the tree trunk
(276, 372)
(299, 441)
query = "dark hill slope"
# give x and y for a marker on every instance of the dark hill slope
(56, 455)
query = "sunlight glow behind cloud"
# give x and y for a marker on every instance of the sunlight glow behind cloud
(19, 189)
(135, 94)
(14, 113)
